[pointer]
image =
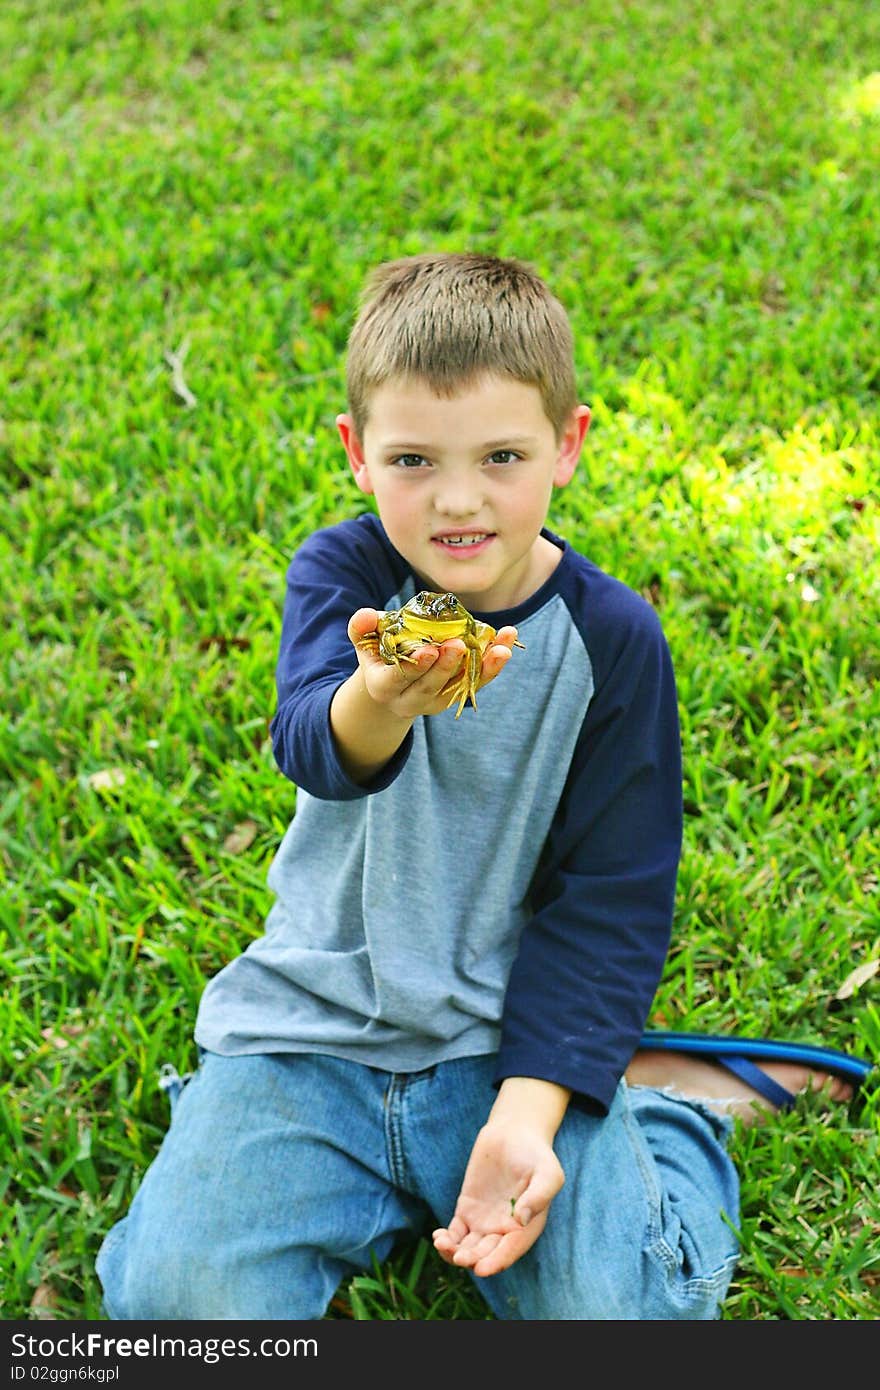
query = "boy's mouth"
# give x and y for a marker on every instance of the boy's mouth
(467, 541)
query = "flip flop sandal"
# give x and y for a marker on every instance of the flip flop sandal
(739, 1055)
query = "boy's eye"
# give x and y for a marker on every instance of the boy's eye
(410, 461)
(503, 456)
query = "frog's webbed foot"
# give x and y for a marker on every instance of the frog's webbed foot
(460, 692)
(463, 685)
(473, 669)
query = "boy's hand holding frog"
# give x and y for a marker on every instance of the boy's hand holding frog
(374, 709)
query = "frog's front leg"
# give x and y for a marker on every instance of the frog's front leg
(374, 641)
(386, 645)
(395, 650)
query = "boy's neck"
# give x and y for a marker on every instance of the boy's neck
(547, 557)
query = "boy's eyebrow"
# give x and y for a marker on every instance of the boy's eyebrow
(507, 442)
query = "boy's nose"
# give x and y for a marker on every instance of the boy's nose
(458, 501)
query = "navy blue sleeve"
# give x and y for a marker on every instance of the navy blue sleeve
(334, 573)
(592, 954)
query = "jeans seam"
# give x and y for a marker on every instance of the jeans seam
(393, 1137)
(649, 1183)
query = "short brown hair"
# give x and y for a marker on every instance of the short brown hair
(448, 319)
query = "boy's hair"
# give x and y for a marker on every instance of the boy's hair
(449, 318)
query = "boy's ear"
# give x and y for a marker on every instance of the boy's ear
(570, 445)
(354, 452)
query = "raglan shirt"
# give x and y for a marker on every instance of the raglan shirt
(505, 884)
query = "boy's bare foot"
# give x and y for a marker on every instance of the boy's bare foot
(699, 1079)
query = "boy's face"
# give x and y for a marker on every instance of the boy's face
(463, 484)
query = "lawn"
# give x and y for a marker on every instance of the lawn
(192, 196)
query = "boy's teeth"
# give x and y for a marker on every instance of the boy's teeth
(463, 540)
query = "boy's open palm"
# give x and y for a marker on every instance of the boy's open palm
(413, 688)
(511, 1179)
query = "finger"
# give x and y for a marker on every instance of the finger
(446, 660)
(362, 622)
(452, 653)
(505, 1253)
(444, 1247)
(476, 1248)
(448, 1239)
(510, 1248)
(422, 660)
(418, 660)
(451, 1236)
(505, 637)
(494, 662)
(496, 657)
(443, 1239)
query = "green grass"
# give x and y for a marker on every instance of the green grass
(698, 182)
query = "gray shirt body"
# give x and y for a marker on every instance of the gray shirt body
(397, 915)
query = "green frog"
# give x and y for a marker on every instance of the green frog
(433, 618)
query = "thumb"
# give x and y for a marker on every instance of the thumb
(362, 622)
(536, 1199)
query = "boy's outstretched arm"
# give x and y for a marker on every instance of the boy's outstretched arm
(512, 1177)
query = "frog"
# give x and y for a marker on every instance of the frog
(431, 618)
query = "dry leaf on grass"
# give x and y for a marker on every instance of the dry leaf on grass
(107, 778)
(238, 840)
(857, 977)
(216, 639)
(175, 361)
(44, 1302)
(61, 1037)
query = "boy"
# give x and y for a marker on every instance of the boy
(442, 1020)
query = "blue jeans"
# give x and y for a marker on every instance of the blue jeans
(281, 1175)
